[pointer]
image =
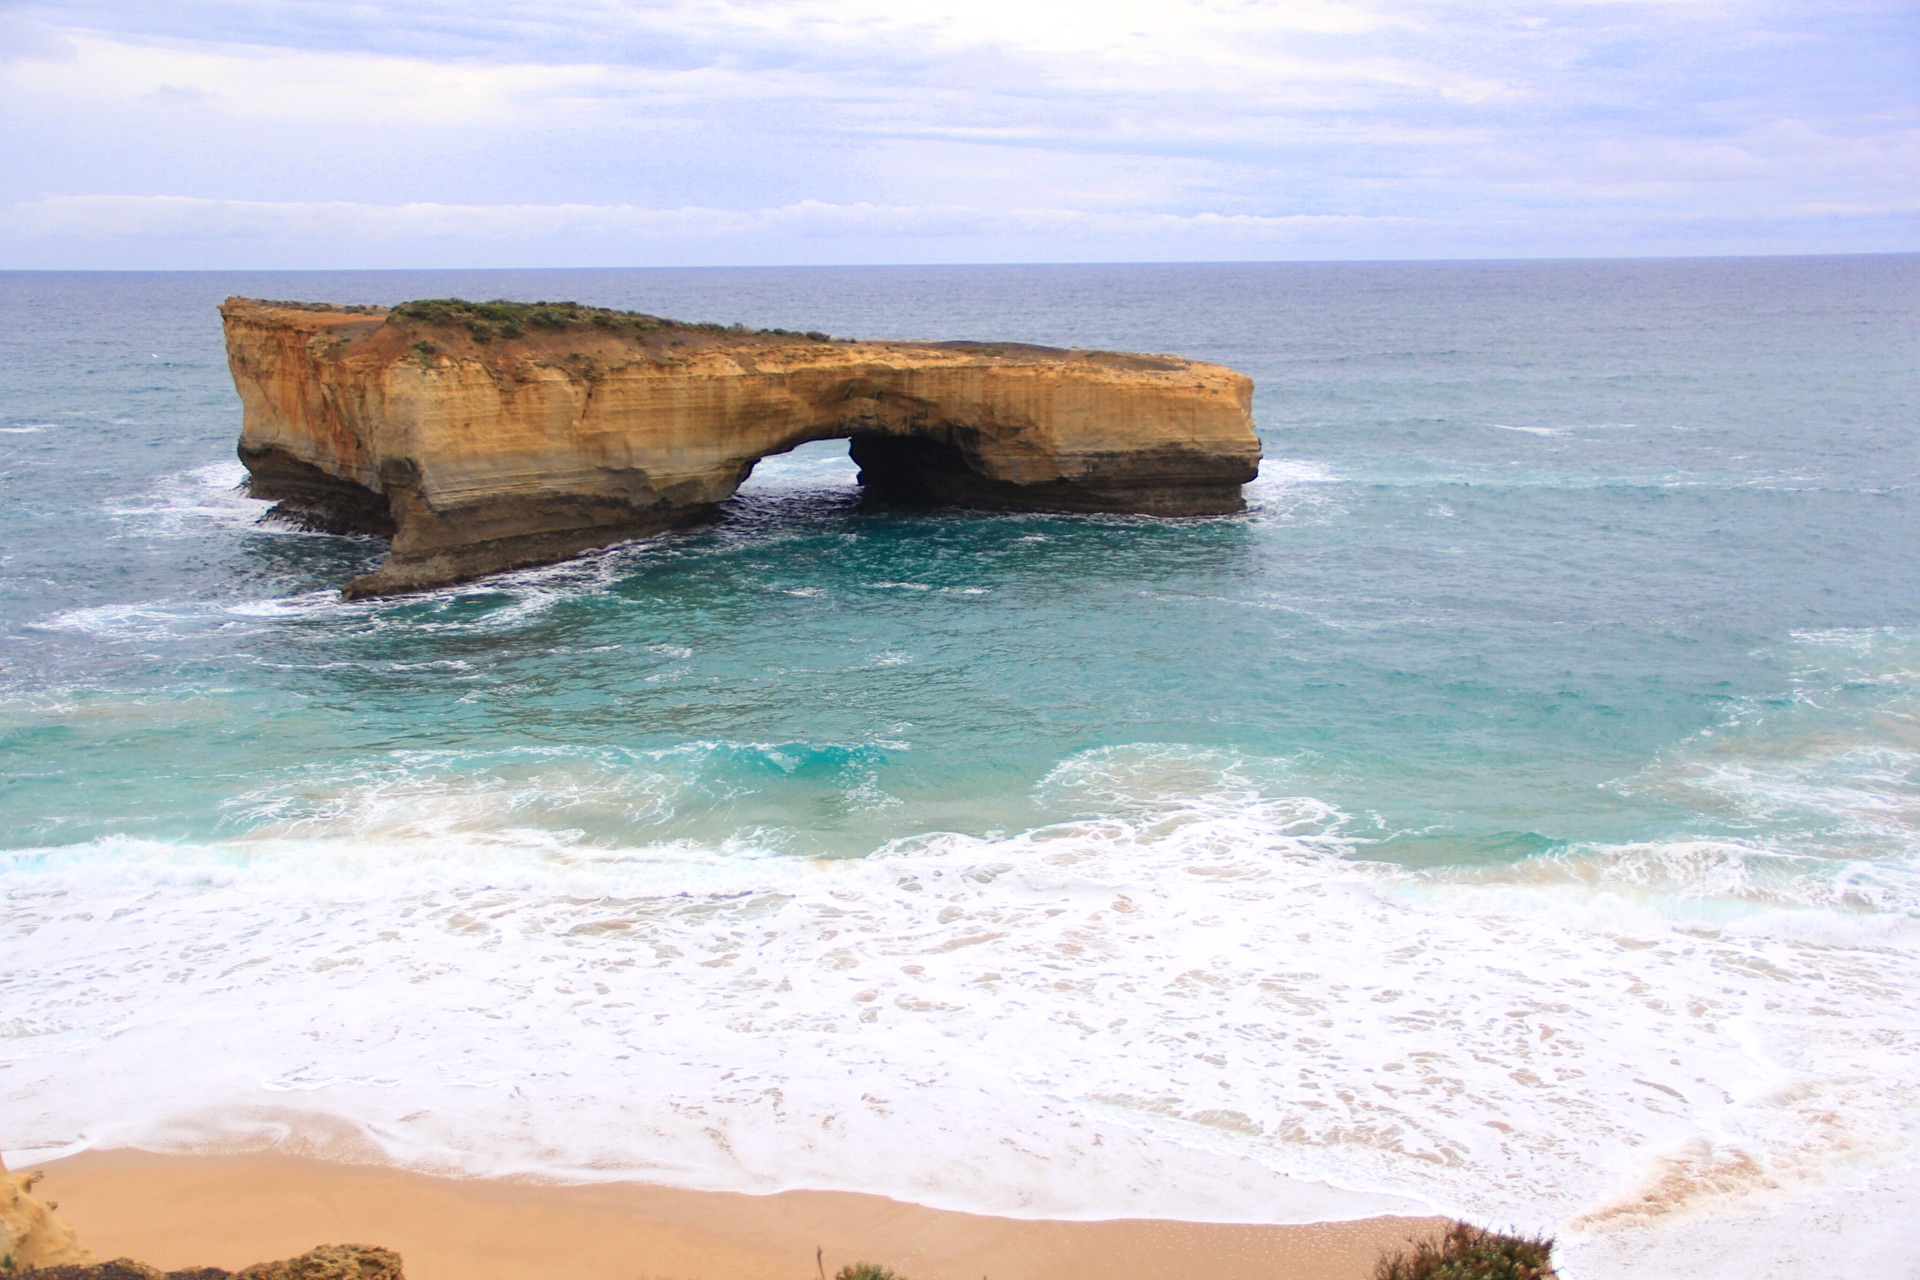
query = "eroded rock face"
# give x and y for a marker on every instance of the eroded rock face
(479, 445)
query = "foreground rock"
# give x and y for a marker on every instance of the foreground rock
(328, 1262)
(33, 1238)
(31, 1233)
(487, 437)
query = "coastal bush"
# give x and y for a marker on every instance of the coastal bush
(485, 321)
(1468, 1253)
(867, 1271)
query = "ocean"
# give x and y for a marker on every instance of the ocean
(1515, 813)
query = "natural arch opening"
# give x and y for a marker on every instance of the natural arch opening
(812, 468)
(901, 470)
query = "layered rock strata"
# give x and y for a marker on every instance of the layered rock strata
(487, 437)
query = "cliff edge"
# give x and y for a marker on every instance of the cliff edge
(491, 436)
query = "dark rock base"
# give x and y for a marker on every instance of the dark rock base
(918, 470)
(309, 498)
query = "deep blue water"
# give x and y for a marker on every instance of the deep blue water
(1524, 528)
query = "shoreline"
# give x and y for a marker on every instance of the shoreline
(177, 1211)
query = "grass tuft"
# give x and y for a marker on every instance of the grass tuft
(867, 1271)
(1468, 1253)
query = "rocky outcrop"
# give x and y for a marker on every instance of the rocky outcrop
(31, 1233)
(35, 1239)
(328, 1262)
(493, 436)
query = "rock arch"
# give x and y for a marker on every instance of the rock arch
(477, 450)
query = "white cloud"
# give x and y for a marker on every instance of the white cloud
(178, 217)
(1222, 73)
(347, 88)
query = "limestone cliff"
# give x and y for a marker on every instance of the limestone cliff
(492, 436)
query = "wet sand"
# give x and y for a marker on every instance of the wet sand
(230, 1210)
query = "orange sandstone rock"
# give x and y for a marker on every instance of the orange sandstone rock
(31, 1234)
(478, 444)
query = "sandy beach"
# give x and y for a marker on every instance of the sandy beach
(227, 1211)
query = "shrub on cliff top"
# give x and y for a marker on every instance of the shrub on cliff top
(1468, 1253)
(348, 308)
(867, 1271)
(485, 321)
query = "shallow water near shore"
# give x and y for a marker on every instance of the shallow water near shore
(1516, 813)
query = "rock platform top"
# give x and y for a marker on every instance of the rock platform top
(481, 437)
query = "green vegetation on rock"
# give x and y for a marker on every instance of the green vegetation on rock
(342, 308)
(485, 321)
(1468, 1253)
(867, 1271)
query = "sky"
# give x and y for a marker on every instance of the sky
(591, 133)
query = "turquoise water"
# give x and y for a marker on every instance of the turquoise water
(1585, 594)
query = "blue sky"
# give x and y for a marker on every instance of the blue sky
(380, 133)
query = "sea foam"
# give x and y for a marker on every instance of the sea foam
(1201, 1004)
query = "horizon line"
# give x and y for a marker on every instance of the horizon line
(895, 266)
